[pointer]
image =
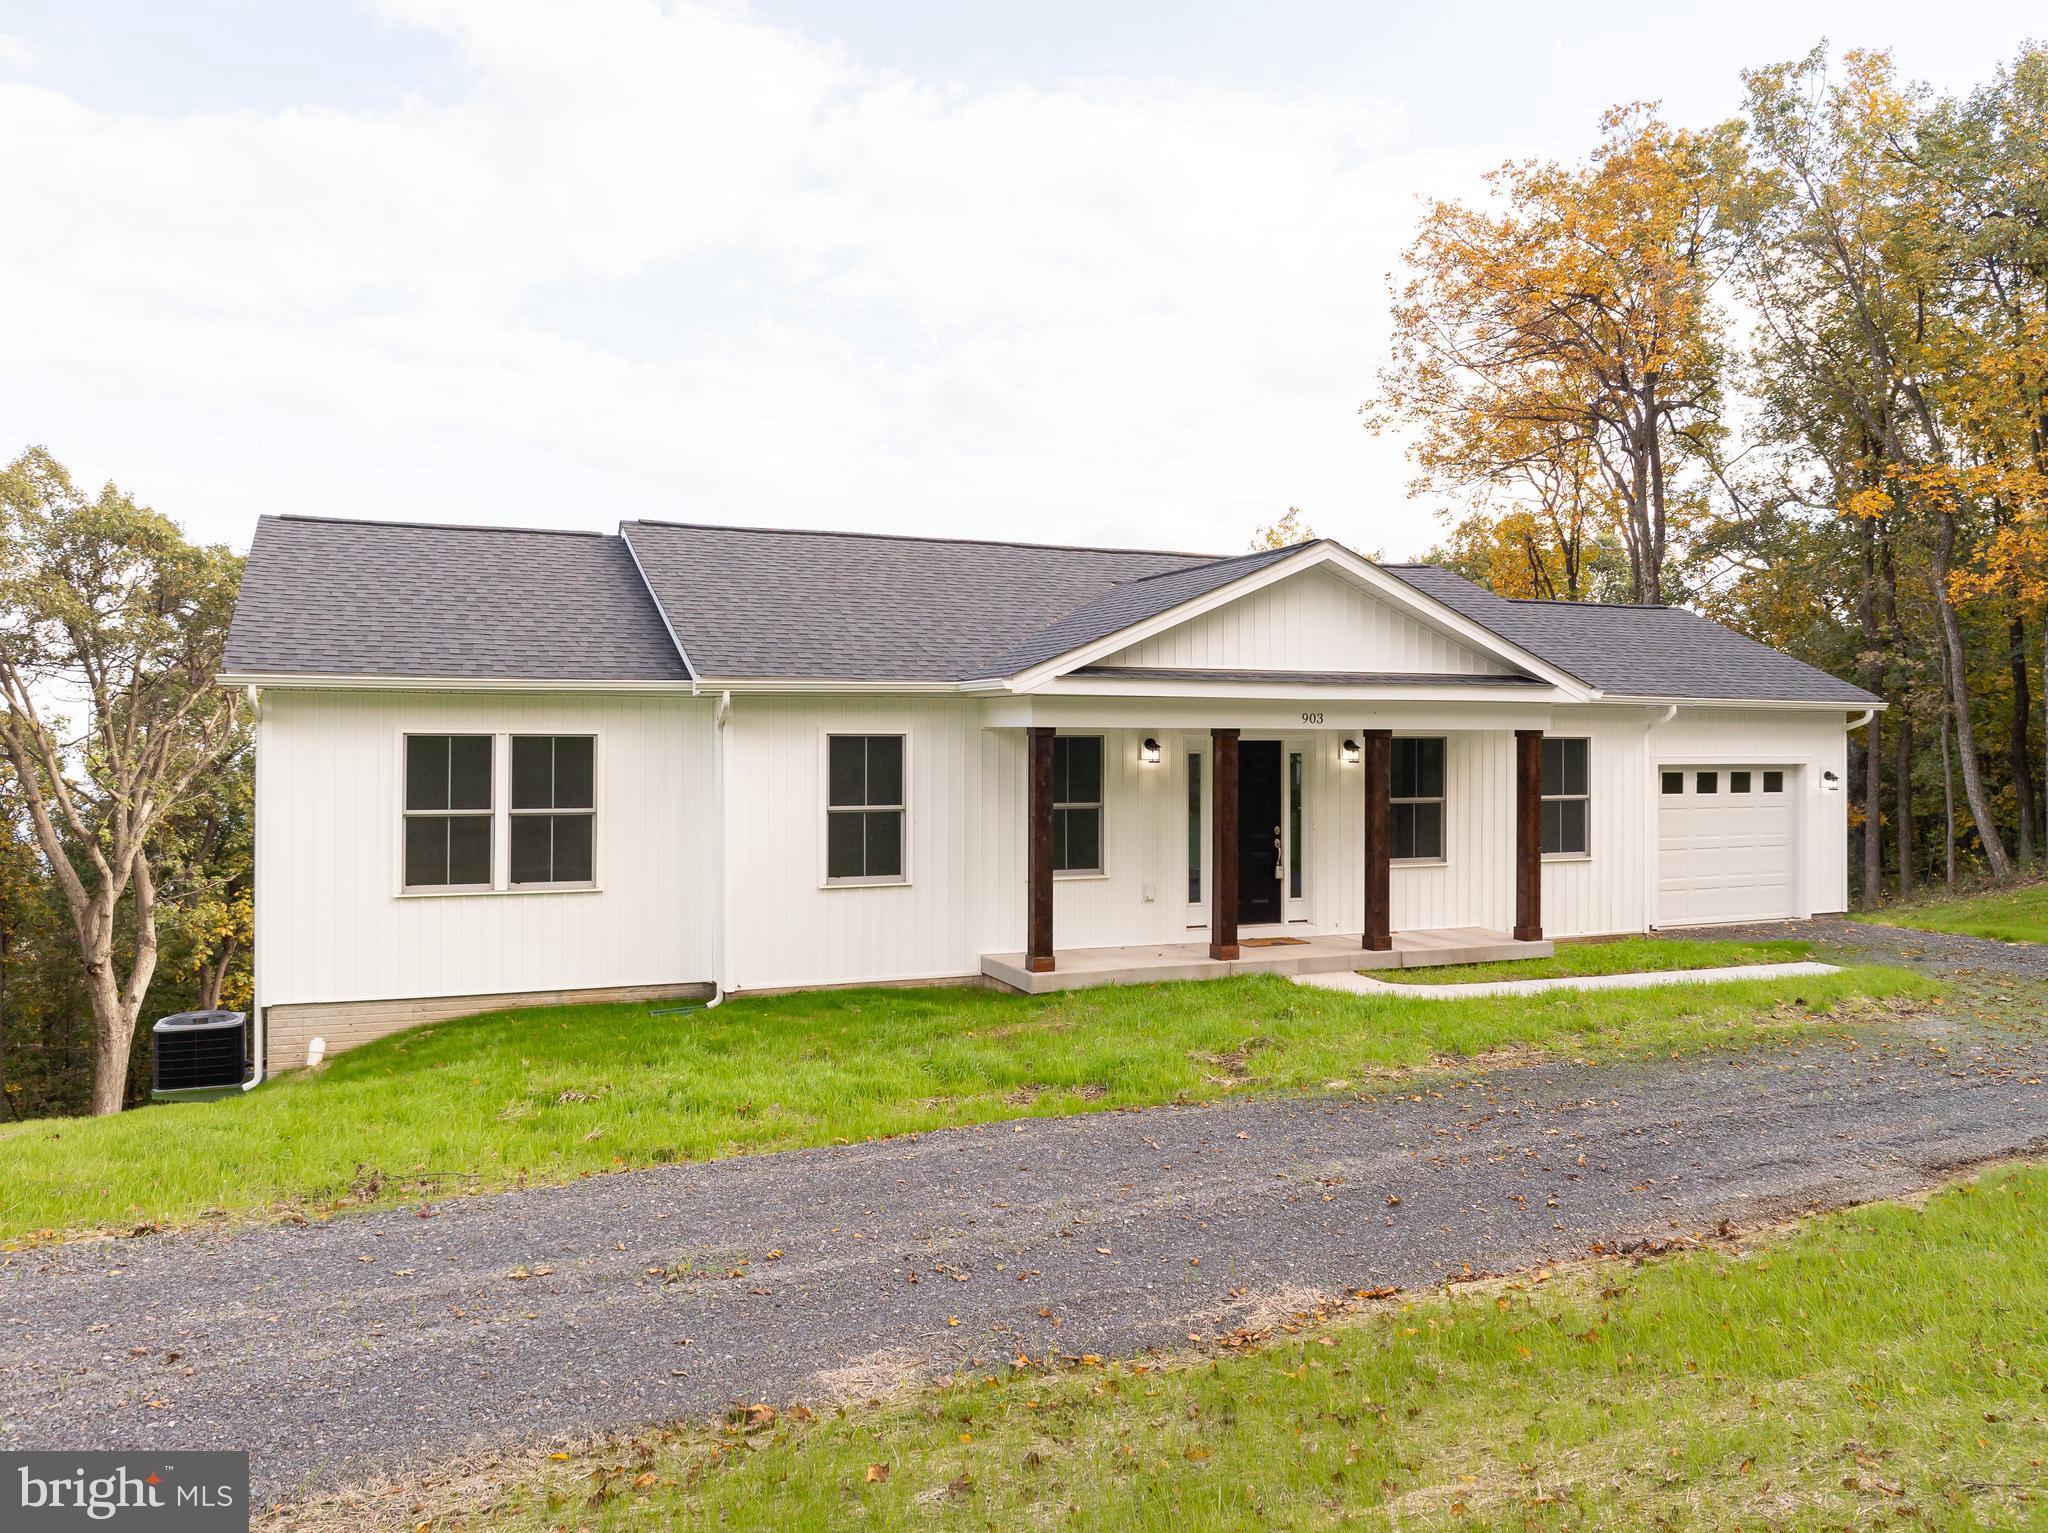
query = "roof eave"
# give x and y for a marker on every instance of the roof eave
(335, 681)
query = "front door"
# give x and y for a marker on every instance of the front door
(1259, 890)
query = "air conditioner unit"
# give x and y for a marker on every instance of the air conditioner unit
(200, 1054)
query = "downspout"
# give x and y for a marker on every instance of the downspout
(1669, 714)
(1856, 724)
(255, 697)
(719, 719)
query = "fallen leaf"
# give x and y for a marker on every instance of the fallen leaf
(877, 1473)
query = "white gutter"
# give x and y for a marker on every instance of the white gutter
(255, 696)
(360, 683)
(1856, 724)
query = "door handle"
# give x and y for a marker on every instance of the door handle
(1279, 858)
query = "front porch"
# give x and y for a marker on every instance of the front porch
(1147, 964)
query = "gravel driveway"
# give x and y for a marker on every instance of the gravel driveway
(334, 1351)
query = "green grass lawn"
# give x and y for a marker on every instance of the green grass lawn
(1882, 1367)
(551, 1094)
(2014, 915)
(1624, 955)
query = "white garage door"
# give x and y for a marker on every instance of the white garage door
(1725, 846)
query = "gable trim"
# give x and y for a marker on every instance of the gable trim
(1396, 593)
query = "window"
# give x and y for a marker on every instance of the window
(1707, 782)
(448, 811)
(1416, 813)
(1077, 804)
(1294, 775)
(1194, 827)
(554, 808)
(1738, 782)
(1565, 794)
(1674, 782)
(864, 809)
(1774, 782)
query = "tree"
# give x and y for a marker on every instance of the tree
(108, 614)
(1571, 324)
(1284, 533)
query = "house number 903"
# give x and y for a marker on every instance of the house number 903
(1311, 718)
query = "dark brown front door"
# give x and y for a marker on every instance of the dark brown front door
(1258, 831)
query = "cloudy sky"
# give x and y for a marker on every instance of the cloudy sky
(1072, 271)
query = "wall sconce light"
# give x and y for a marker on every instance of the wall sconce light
(1830, 783)
(1348, 752)
(1149, 752)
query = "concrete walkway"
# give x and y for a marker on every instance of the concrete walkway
(1365, 984)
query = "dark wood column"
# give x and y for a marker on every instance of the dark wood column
(1528, 835)
(1379, 906)
(1038, 852)
(1223, 843)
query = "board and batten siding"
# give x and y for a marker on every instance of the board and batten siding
(333, 925)
(789, 928)
(1809, 744)
(1313, 621)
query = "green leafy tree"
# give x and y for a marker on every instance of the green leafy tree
(111, 632)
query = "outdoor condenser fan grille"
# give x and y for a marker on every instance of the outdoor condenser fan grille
(201, 1051)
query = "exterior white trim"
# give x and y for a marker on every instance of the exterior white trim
(1394, 592)
(1734, 702)
(299, 681)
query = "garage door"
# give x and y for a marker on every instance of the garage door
(1725, 847)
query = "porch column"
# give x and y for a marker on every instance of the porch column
(1038, 854)
(1528, 835)
(1378, 762)
(1223, 844)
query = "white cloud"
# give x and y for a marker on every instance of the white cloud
(1121, 310)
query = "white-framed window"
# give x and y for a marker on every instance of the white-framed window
(1567, 792)
(553, 810)
(864, 808)
(1194, 827)
(1415, 817)
(1077, 804)
(448, 811)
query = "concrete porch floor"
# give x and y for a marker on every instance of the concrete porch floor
(1078, 968)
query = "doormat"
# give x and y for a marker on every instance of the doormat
(1272, 942)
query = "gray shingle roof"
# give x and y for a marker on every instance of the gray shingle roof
(1121, 606)
(856, 606)
(349, 598)
(1638, 651)
(352, 598)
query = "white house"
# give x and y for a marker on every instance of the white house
(500, 767)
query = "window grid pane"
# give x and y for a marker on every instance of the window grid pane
(1415, 819)
(447, 811)
(1565, 792)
